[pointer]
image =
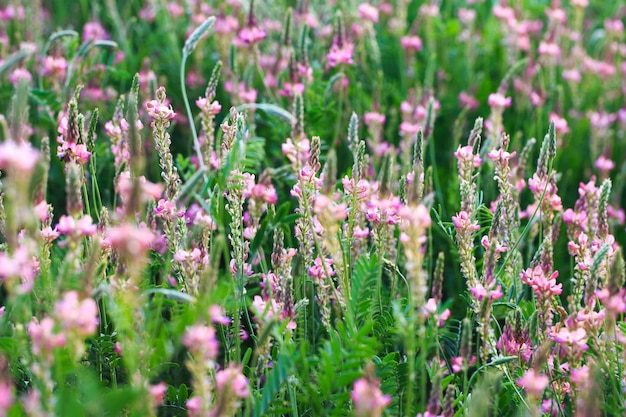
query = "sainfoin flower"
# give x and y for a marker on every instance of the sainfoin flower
(368, 399)
(19, 158)
(202, 341)
(232, 380)
(533, 382)
(78, 317)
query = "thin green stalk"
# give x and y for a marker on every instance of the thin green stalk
(194, 134)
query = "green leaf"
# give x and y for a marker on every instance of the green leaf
(270, 109)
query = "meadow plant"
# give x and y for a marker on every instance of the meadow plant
(354, 219)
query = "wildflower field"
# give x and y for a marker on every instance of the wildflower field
(312, 208)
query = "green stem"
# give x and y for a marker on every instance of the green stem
(194, 134)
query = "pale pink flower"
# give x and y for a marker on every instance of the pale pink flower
(604, 164)
(130, 240)
(498, 101)
(78, 317)
(321, 267)
(232, 380)
(560, 124)
(20, 74)
(206, 107)
(368, 399)
(533, 382)
(572, 75)
(18, 158)
(194, 406)
(6, 397)
(468, 101)
(465, 154)
(368, 12)
(550, 49)
(43, 336)
(202, 341)
(217, 315)
(580, 3)
(157, 392)
(159, 111)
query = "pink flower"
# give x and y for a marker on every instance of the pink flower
(462, 221)
(159, 111)
(533, 383)
(20, 74)
(217, 315)
(340, 55)
(232, 380)
(19, 159)
(498, 101)
(320, 268)
(157, 392)
(207, 107)
(202, 342)
(604, 164)
(374, 118)
(368, 12)
(560, 124)
(6, 397)
(43, 336)
(167, 210)
(71, 227)
(543, 286)
(251, 35)
(78, 317)
(368, 399)
(194, 406)
(130, 240)
(465, 154)
(549, 49)
(94, 31)
(411, 43)
(468, 101)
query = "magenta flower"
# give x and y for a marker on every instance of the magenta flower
(320, 268)
(340, 55)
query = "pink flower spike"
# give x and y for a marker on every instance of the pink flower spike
(368, 12)
(498, 101)
(533, 383)
(20, 159)
(368, 399)
(232, 380)
(604, 164)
